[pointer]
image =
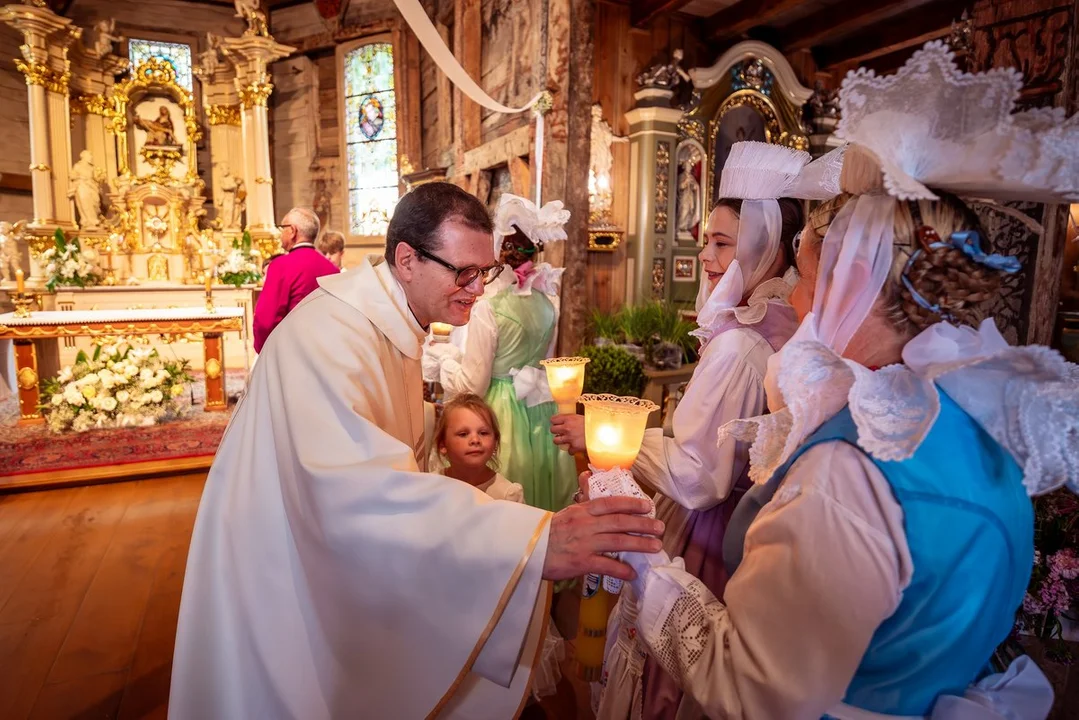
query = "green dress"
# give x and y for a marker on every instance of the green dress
(528, 456)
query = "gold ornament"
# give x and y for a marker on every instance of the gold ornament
(213, 368)
(27, 378)
(257, 93)
(223, 114)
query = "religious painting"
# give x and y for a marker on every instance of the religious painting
(689, 198)
(685, 269)
(370, 138)
(737, 125)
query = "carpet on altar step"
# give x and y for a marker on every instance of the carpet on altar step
(31, 456)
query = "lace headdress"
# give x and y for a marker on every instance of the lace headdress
(928, 127)
(758, 174)
(545, 225)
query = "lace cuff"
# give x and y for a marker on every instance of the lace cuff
(679, 618)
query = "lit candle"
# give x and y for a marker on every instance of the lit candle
(20, 284)
(565, 378)
(209, 282)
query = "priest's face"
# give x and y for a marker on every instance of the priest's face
(431, 284)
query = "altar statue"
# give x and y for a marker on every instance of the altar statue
(158, 132)
(233, 196)
(10, 261)
(86, 190)
(600, 161)
(665, 75)
(256, 19)
(104, 36)
(689, 193)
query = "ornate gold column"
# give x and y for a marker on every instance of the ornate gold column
(44, 63)
(250, 55)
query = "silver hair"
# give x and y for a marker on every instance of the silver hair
(306, 222)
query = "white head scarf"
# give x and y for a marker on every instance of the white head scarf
(546, 224)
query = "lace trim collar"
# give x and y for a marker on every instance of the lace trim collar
(1026, 398)
(545, 279)
(712, 319)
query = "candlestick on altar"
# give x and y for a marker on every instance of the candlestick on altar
(613, 431)
(110, 278)
(20, 282)
(210, 292)
(565, 377)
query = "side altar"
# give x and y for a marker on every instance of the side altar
(115, 167)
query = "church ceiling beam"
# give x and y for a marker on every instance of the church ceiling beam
(329, 39)
(828, 25)
(643, 12)
(738, 19)
(909, 30)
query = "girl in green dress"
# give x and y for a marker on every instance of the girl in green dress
(512, 328)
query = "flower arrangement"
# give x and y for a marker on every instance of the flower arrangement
(1054, 582)
(67, 264)
(119, 386)
(240, 267)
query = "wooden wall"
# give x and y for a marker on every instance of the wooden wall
(621, 53)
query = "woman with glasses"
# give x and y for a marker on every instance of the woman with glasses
(511, 330)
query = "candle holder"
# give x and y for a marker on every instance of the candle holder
(565, 377)
(210, 294)
(440, 332)
(614, 430)
(23, 302)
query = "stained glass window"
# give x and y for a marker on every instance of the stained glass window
(178, 54)
(370, 138)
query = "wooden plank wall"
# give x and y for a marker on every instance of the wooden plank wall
(621, 53)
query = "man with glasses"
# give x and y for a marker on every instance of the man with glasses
(330, 577)
(290, 277)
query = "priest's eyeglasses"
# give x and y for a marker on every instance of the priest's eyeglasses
(467, 275)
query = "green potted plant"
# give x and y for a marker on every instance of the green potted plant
(606, 328)
(612, 370)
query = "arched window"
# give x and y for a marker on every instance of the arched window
(370, 137)
(179, 54)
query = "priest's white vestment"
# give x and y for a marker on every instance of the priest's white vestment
(329, 577)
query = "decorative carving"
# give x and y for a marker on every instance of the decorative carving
(86, 190)
(606, 240)
(37, 244)
(162, 160)
(157, 265)
(666, 76)
(663, 172)
(40, 74)
(690, 168)
(691, 128)
(91, 104)
(40, 167)
(223, 114)
(104, 36)
(27, 378)
(599, 171)
(659, 277)
(752, 74)
(255, 18)
(213, 368)
(233, 200)
(257, 93)
(10, 257)
(209, 59)
(1036, 44)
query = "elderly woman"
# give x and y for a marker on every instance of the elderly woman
(882, 557)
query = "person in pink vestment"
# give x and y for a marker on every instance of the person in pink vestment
(293, 276)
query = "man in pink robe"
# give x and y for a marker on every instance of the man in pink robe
(293, 276)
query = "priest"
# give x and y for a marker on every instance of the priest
(328, 576)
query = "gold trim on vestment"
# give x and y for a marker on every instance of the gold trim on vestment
(503, 601)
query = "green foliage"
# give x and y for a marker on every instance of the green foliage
(612, 370)
(60, 239)
(675, 329)
(606, 325)
(246, 246)
(640, 323)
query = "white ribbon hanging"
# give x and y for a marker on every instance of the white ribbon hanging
(421, 25)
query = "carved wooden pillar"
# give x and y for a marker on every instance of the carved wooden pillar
(1039, 37)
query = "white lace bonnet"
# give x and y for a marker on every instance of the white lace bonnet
(758, 174)
(546, 224)
(930, 126)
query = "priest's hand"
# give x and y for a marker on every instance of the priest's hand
(568, 431)
(581, 534)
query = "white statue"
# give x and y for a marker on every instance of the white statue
(256, 19)
(233, 196)
(602, 139)
(104, 36)
(10, 260)
(209, 59)
(86, 190)
(689, 197)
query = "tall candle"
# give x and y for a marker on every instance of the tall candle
(20, 284)
(209, 282)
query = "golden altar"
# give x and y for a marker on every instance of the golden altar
(23, 331)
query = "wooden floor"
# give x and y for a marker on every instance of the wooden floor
(90, 582)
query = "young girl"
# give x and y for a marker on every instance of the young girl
(468, 439)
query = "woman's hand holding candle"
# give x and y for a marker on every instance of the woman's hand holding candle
(568, 432)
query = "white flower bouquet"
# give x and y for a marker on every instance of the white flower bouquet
(67, 264)
(119, 386)
(240, 267)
